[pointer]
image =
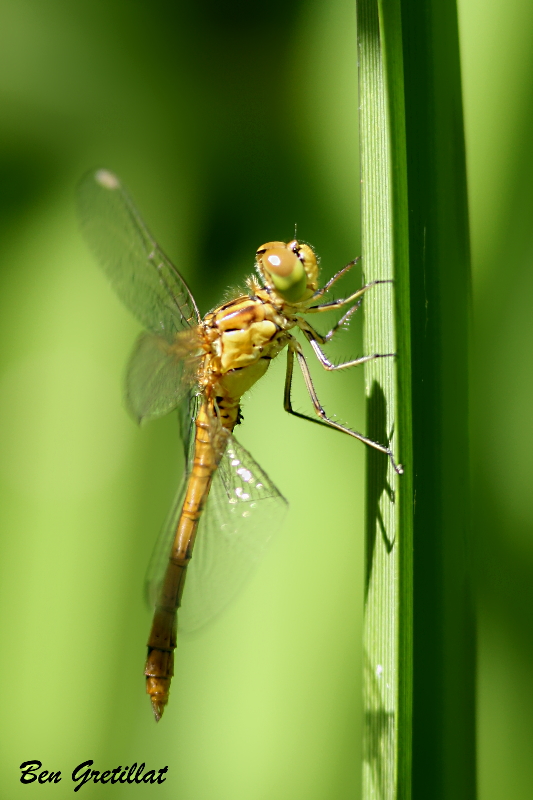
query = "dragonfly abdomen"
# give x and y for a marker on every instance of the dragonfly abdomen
(159, 667)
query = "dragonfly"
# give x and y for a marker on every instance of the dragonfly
(202, 367)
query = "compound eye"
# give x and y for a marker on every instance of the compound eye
(295, 246)
(306, 255)
(279, 261)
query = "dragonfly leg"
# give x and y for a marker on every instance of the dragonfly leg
(324, 338)
(327, 286)
(294, 348)
(343, 301)
(324, 360)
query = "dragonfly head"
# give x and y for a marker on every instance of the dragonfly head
(291, 270)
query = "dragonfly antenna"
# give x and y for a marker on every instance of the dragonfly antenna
(295, 230)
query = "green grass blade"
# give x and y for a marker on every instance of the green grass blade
(419, 664)
(388, 610)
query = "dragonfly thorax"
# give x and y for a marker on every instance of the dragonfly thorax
(242, 337)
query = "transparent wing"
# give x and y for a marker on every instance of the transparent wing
(159, 559)
(243, 511)
(187, 412)
(142, 276)
(160, 374)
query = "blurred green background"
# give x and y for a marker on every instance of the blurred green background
(230, 123)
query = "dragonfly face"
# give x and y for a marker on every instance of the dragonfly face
(289, 269)
(202, 368)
